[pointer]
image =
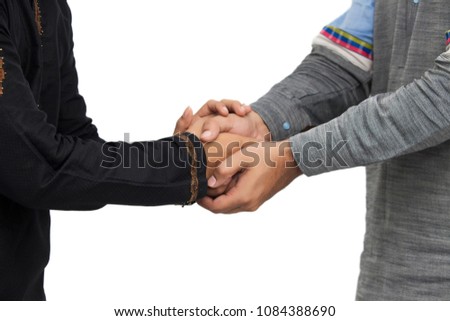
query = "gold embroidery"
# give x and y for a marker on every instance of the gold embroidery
(38, 17)
(194, 174)
(2, 74)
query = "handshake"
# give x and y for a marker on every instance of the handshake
(244, 167)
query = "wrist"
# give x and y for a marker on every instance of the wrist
(211, 160)
(262, 132)
(288, 159)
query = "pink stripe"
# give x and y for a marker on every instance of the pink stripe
(346, 45)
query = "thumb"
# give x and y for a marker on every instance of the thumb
(225, 172)
(184, 121)
(247, 156)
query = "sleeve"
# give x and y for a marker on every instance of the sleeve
(72, 118)
(415, 117)
(43, 168)
(335, 76)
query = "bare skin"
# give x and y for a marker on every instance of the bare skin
(251, 174)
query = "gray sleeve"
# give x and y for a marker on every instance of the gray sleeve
(415, 117)
(320, 89)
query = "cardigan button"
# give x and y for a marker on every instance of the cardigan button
(286, 126)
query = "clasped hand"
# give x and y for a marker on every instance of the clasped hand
(245, 168)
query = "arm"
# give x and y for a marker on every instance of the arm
(43, 168)
(334, 77)
(72, 118)
(414, 117)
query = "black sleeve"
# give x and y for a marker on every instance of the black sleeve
(41, 167)
(72, 117)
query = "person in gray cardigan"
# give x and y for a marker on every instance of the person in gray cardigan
(374, 92)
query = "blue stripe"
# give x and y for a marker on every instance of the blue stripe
(345, 39)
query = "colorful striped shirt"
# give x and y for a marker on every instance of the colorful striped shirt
(348, 41)
(354, 29)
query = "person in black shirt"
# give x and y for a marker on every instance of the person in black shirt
(52, 156)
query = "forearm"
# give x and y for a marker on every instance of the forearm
(67, 166)
(320, 89)
(415, 117)
(70, 173)
(334, 77)
(73, 120)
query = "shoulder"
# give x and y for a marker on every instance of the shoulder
(64, 9)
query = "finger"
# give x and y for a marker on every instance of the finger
(208, 203)
(224, 189)
(223, 108)
(229, 203)
(184, 121)
(215, 192)
(236, 107)
(226, 170)
(214, 126)
(246, 156)
(213, 107)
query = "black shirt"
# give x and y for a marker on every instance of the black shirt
(51, 154)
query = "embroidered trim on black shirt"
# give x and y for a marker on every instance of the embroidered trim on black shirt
(38, 17)
(2, 72)
(194, 174)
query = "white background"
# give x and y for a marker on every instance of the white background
(140, 64)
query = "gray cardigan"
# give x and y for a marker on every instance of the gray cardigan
(401, 133)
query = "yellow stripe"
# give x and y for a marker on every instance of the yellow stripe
(352, 38)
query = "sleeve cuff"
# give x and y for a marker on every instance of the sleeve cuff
(202, 162)
(281, 121)
(197, 167)
(320, 150)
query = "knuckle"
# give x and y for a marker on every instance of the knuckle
(246, 201)
(222, 171)
(207, 123)
(215, 210)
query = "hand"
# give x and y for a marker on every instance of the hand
(250, 125)
(212, 107)
(250, 177)
(225, 145)
(209, 127)
(218, 150)
(222, 148)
